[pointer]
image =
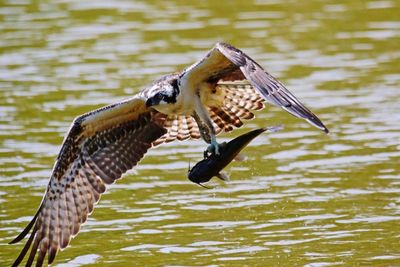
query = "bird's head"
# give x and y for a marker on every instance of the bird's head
(163, 92)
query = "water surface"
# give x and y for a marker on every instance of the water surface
(302, 199)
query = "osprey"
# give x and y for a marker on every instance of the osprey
(209, 97)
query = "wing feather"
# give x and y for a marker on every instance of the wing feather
(94, 153)
(180, 127)
(227, 64)
(243, 96)
(218, 123)
(26, 248)
(33, 250)
(44, 244)
(270, 88)
(194, 130)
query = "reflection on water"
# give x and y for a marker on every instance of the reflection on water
(301, 198)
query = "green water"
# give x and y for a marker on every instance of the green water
(301, 199)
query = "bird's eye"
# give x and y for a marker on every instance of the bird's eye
(158, 97)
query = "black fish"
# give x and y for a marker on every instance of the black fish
(212, 165)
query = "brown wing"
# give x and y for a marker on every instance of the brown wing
(226, 64)
(240, 99)
(99, 148)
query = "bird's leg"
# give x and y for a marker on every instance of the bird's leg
(208, 136)
(206, 128)
(214, 146)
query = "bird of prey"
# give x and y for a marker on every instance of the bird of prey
(209, 97)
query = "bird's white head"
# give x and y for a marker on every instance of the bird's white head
(163, 91)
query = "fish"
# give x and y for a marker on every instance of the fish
(213, 164)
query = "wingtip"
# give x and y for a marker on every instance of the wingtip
(321, 126)
(316, 122)
(15, 240)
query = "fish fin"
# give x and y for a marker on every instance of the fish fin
(240, 157)
(202, 185)
(223, 176)
(275, 128)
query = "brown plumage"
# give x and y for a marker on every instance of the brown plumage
(209, 97)
(83, 168)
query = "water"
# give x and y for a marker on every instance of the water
(301, 199)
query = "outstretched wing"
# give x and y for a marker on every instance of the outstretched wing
(99, 147)
(225, 64)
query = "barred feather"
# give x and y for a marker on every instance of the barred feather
(83, 168)
(180, 127)
(240, 99)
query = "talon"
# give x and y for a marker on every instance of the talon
(213, 148)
